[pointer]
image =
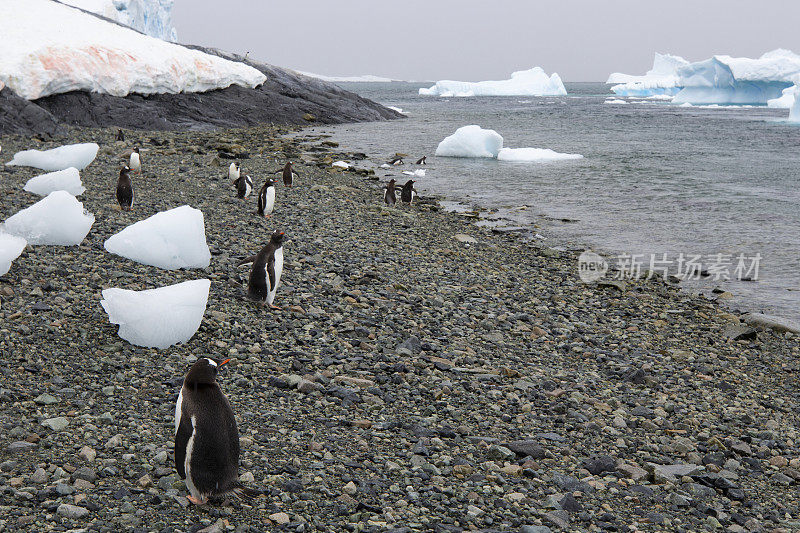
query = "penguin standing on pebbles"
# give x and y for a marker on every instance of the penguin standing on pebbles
(125, 189)
(244, 186)
(408, 192)
(265, 275)
(389, 196)
(233, 171)
(120, 135)
(206, 438)
(288, 174)
(135, 162)
(266, 198)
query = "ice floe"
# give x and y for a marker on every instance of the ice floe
(615, 101)
(419, 173)
(533, 154)
(474, 141)
(59, 219)
(11, 247)
(661, 80)
(68, 180)
(532, 82)
(78, 156)
(158, 318)
(170, 239)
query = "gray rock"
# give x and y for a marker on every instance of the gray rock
(58, 423)
(72, 511)
(412, 344)
(599, 463)
(535, 529)
(526, 448)
(500, 453)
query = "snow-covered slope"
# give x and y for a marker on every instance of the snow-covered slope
(153, 17)
(662, 79)
(533, 82)
(49, 48)
(738, 80)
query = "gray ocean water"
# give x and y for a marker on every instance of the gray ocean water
(655, 179)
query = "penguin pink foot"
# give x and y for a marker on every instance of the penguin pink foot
(196, 501)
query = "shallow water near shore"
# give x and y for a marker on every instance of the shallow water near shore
(655, 178)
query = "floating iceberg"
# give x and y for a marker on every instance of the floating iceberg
(171, 240)
(78, 156)
(533, 82)
(68, 180)
(785, 100)
(738, 80)
(534, 155)
(158, 318)
(616, 101)
(151, 17)
(366, 78)
(11, 247)
(59, 218)
(474, 141)
(419, 173)
(471, 141)
(662, 79)
(794, 112)
(39, 57)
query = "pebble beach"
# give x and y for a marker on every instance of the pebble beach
(423, 374)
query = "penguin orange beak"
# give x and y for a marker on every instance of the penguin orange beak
(225, 362)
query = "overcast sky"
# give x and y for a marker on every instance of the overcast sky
(582, 40)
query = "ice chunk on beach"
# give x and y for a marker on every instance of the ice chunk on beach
(534, 155)
(341, 164)
(11, 247)
(158, 318)
(471, 141)
(533, 82)
(170, 239)
(68, 180)
(661, 80)
(727, 80)
(419, 173)
(59, 218)
(78, 156)
(50, 48)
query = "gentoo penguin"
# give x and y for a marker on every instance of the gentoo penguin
(233, 171)
(206, 438)
(389, 196)
(135, 163)
(266, 272)
(266, 198)
(244, 186)
(120, 135)
(408, 192)
(125, 189)
(288, 174)
(422, 160)
(396, 161)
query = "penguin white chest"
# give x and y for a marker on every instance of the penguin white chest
(178, 410)
(269, 201)
(187, 463)
(278, 271)
(135, 163)
(248, 188)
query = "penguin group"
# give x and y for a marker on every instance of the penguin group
(406, 191)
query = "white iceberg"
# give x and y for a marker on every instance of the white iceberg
(170, 239)
(366, 78)
(794, 112)
(616, 101)
(785, 100)
(533, 82)
(49, 48)
(158, 318)
(661, 80)
(11, 247)
(68, 180)
(471, 141)
(730, 80)
(534, 155)
(419, 173)
(59, 218)
(151, 17)
(78, 156)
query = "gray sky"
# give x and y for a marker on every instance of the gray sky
(582, 40)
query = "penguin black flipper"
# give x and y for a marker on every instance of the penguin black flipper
(182, 436)
(246, 260)
(271, 272)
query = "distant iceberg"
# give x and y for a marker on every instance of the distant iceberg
(474, 141)
(738, 80)
(662, 79)
(533, 82)
(151, 17)
(785, 100)
(366, 78)
(50, 48)
(794, 112)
